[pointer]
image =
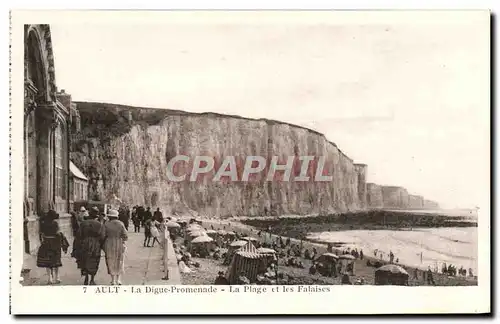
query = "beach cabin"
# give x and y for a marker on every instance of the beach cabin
(248, 262)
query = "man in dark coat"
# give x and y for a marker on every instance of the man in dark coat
(136, 219)
(124, 217)
(140, 214)
(147, 215)
(158, 216)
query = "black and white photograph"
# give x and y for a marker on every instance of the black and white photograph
(249, 152)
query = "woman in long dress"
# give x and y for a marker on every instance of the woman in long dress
(115, 236)
(76, 220)
(53, 241)
(88, 254)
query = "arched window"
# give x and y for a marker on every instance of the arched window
(59, 162)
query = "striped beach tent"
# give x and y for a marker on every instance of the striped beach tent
(233, 247)
(246, 261)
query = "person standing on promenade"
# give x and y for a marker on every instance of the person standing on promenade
(53, 241)
(137, 223)
(124, 217)
(115, 236)
(147, 215)
(147, 232)
(140, 214)
(155, 233)
(158, 216)
(88, 255)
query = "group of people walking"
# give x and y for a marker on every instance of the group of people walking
(150, 221)
(92, 234)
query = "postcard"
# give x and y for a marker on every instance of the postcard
(250, 162)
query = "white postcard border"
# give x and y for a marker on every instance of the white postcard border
(341, 299)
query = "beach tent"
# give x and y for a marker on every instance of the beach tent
(327, 261)
(248, 238)
(246, 261)
(190, 235)
(235, 246)
(194, 227)
(263, 250)
(270, 255)
(211, 233)
(172, 224)
(173, 227)
(238, 243)
(202, 239)
(201, 244)
(193, 234)
(329, 257)
(391, 274)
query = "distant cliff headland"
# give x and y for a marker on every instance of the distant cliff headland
(124, 151)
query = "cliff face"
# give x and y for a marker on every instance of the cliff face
(374, 197)
(378, 196)
(429, 204)
(124, 151)
(395, 197)
(415, 202)
(361, 178)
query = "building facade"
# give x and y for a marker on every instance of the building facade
(47, 127)
(78, 185)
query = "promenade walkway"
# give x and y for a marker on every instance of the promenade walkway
(142, 266)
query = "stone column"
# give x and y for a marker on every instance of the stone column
(67, 173)
(45, 160)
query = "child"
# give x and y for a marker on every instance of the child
(153, 229)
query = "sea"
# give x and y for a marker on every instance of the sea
(418, 247)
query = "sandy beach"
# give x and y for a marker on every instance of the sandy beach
(209, 268)
(457, 246)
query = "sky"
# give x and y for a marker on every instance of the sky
(410, 98)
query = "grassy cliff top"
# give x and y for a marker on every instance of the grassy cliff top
(114, 119)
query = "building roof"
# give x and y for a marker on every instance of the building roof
(76, 172)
